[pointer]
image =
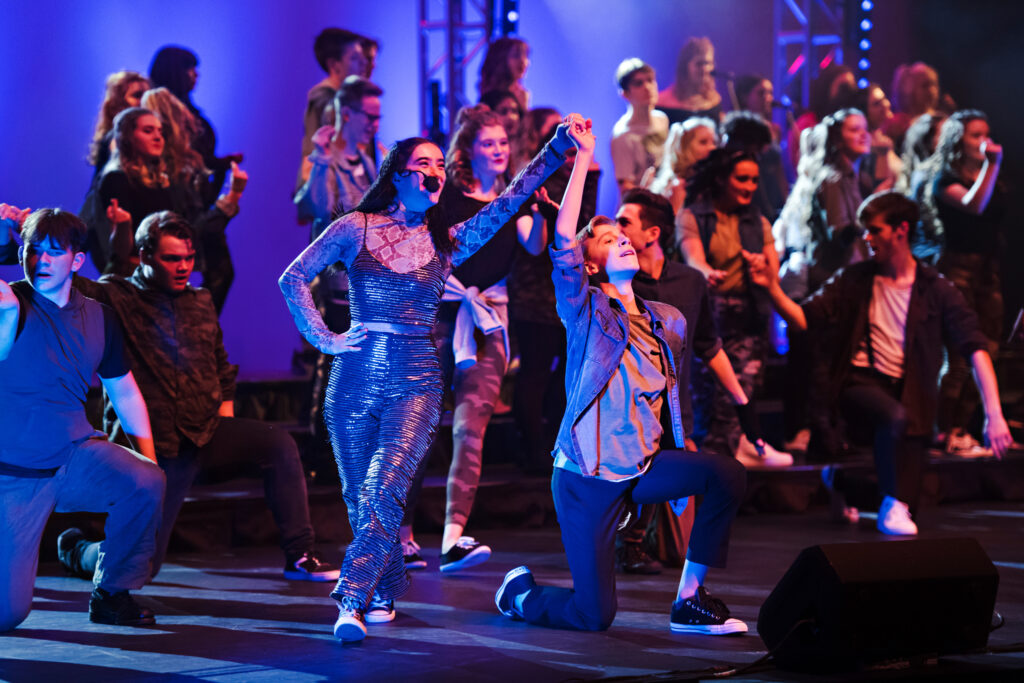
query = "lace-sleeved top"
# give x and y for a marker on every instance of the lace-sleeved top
(396, 275)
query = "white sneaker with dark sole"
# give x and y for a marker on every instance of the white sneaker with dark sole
(351, 624)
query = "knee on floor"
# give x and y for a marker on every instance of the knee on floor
(12, 615)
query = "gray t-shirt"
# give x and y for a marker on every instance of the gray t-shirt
(623, 426)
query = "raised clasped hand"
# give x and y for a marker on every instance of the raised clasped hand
(581, 132)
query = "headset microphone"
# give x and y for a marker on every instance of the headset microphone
(430, 182)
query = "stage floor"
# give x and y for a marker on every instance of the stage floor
(231, 617)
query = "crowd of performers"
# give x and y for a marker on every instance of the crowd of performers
(640, 339)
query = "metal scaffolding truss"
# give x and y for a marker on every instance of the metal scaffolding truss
(452, 33)
(808, 37)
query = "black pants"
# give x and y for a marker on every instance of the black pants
(242, 447)
(540, 389)
(589, 510)
(871, 401)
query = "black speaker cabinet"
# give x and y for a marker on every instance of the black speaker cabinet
(846, 606)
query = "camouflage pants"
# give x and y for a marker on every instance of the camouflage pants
(977, 278)
(743, 340)
(476, 392)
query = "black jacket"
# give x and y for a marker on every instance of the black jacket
(938, 316)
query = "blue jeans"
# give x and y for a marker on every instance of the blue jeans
(97, 476)
(589, 509)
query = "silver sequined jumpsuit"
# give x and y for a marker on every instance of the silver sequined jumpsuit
(384, 400)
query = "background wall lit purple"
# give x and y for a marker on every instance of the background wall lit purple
(256, 65)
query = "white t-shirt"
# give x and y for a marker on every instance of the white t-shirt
(636, 147)
(887, 322)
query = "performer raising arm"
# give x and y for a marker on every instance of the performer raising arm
(614, 450)
(384, 396)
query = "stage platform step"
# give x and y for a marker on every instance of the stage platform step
(235, 514)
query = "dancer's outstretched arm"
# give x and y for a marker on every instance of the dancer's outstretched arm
(472, 234)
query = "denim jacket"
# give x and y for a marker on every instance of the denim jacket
(597, 333)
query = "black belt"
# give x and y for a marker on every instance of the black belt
(888, 381)
(27, 472)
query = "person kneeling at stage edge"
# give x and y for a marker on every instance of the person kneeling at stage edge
(893, 316)
(52, 341)
(612, 451)
(175, 342)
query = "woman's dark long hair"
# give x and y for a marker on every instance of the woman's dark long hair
(712, 173)
(382, 196)
(170, 69)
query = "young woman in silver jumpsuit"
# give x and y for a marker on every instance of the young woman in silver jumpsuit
(383, 401)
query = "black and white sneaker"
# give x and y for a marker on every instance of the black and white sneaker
(118, 609)
(518, 581)
(380, 611)
(310, 567)
(351, 624)
(70, 545)
(705, 614)
(412, 557)
(466, 552)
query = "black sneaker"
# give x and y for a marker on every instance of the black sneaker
(633, 560)
(466, 552)
(118, 609)
(310, 567)
(518, 581)
(412, 557)
(350, 625)
(703, 613)
(70, 545)
(380, 611)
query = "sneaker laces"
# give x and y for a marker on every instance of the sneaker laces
(709, 605)
(466, 543)
(350, 605)
(379, 603)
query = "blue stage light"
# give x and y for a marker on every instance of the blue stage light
(867, 5)
(865, 25)
(513, 16)
(864, 65)
(862, 83)
(865, 44)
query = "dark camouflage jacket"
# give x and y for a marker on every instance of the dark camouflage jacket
(178, 358)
